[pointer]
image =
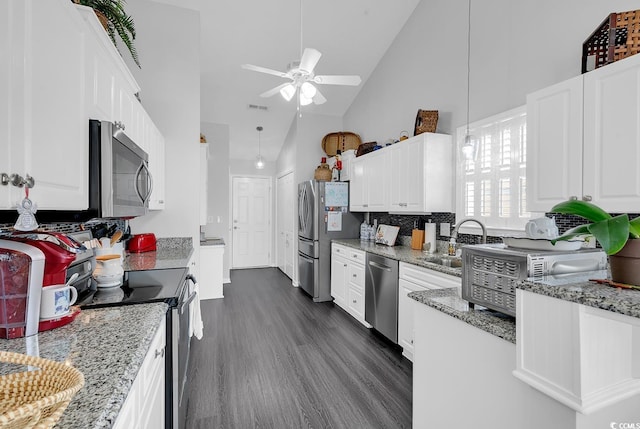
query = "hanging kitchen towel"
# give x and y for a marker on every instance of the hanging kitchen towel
(196, 325)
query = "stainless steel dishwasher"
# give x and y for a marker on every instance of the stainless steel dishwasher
(381, 295)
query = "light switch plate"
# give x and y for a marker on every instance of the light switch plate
(445, 229)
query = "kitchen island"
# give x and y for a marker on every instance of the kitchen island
(108, 346)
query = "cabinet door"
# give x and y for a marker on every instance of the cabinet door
(375, 181)
(49, 127)
(357, 189)
(612, 136)
(405, 317)
(554, 144)
(356, 302)
(7, 47)
(339, 279)
(406, 181)
(157, 168)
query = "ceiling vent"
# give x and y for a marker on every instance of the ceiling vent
(257, 107)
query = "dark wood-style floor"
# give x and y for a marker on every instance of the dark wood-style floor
(271, 358)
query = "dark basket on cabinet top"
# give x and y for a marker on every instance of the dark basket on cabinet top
(616, 38)
(426, 122)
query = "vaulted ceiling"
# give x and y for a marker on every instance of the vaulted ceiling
(352, 36)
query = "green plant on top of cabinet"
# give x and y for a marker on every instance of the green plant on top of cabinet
(583, 138)
(116, 21)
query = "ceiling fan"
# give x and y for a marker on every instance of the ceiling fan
(303, 79)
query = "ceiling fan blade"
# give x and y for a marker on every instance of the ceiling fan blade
(352, 80)
(319, 98)
(310, 58)
(263, 70)
(273, 91)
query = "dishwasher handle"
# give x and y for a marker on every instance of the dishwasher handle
(379, 266)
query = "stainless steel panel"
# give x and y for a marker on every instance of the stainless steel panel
(381, 295)
(307, 204)
(308, 274)
(308, 247)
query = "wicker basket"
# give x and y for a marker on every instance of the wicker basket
(426, 122)
(36, 399)
(617, 37)
(342, 141)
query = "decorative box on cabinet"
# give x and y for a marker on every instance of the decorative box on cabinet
(583, 136)
(145, 403)
(413, 278)
(41, 92)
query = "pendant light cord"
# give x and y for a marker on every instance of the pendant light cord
(468, 64)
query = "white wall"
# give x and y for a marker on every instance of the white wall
(517, 47)
(218, 187)
(168, 44)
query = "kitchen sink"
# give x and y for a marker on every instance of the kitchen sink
(444, 260)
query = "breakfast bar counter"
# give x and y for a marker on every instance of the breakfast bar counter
(108, 346)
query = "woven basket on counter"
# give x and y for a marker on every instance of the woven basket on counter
(36, 399)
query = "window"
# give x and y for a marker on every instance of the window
(493, 188)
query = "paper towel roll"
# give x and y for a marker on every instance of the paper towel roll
(430, 237)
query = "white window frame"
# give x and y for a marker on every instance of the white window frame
(496, 226)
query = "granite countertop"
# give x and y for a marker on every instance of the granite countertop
(212, 242)
(170, 253)
(400, 253)
(108, 346)
(448, 302)
(577, 288)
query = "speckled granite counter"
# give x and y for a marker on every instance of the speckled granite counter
(448, 302)
(108, 346)
(212, 242)
(400, 253)
(577, 288)
(171, 253)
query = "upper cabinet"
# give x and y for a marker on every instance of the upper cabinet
(42, 114)
(412, 176)
(583, 140)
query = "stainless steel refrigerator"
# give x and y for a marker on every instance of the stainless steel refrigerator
(323, 215)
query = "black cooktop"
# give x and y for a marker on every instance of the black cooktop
(139, 287)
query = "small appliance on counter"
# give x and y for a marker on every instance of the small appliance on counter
(142, 243)
(491, 271)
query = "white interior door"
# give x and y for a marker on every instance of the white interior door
(285, 215)
(251, 233)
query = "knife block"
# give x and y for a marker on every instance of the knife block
(417, 238)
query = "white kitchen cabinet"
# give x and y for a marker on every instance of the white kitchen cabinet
(347, 280)
(42, 115)
(582, 140)
(413, 278)
(369, 184)
(421, 174)
(210, 280)
(145, 403)
(204, 177)
(339, 265)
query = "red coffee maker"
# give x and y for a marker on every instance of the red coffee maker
(58, 251)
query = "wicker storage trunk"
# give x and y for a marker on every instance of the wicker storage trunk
(616, 38)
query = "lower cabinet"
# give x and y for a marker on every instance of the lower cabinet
(347, 280)
(211, 259)
(414, 279)
(145, 405)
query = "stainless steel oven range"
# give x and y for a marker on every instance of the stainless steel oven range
(175, 287)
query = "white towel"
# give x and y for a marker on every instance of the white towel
(196, 325)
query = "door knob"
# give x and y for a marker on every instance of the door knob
(235, 227)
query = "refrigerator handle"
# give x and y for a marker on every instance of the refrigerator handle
(301, 209)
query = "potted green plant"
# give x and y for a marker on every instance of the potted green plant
(115, 20)
(618, 236)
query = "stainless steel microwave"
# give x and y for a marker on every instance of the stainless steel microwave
(120, 183)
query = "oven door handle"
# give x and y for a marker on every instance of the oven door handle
(186, 303)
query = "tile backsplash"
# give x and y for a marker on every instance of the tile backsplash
(73, 226)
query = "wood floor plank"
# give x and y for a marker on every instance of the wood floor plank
(272, 358)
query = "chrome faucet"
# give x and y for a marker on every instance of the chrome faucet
(454, 234)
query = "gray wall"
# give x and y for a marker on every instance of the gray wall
(168, 44)
(517, 47)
